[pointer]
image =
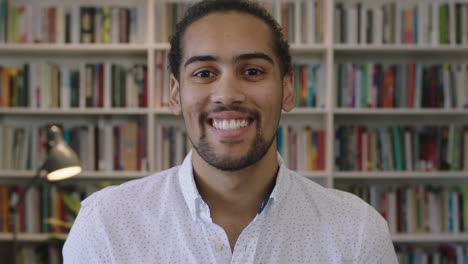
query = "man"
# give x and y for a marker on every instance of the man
(232, 200)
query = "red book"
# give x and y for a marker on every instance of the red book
(360, 132)
(21, 216)
(384, 206)
(411, 84)
(388, 88)
(52, 24)
(321, 150)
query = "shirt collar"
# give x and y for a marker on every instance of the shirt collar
(193, 198)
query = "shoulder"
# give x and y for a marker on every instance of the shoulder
(134, 192)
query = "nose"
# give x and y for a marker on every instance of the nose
(228, 90)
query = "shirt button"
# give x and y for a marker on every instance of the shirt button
(219, 248)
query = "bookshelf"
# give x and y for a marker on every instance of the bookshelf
(318, 48)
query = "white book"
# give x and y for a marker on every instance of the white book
(398, 23)
(410, 210)
(133, 25)
(65, 87)
(435, 23)
(364, 151)
(297, 22)
(371, 98)
(408, 151)
(451, 22)
(362, 29)
(59, 25)
(107, 85)
(351, 25)
(91, 142)
(75, 25)
(109, 147)
(392, 218)
(378, 26)
(36, 27)
(310, 21)
(25, 154)
(115, 25)
(357, 88)
(422, 17)
(29, 211)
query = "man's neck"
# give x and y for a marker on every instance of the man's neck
(236, 192)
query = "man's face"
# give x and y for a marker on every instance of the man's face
(230, 89)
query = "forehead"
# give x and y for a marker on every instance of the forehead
(227, 34)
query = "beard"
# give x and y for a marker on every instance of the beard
(256, 151)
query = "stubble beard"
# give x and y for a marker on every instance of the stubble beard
(258, 148)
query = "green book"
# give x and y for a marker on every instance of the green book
(394, 130)
(364, 85)
(443, 24)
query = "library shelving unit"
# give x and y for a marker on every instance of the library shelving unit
(376, 40)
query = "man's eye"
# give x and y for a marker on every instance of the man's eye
(204, 74)
(253, 72)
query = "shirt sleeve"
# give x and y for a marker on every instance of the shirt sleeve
(86, 242)
(376, 243)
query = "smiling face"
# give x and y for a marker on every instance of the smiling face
(230, 89)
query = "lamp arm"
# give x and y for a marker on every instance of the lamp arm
(18, 200)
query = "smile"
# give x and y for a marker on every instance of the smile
(229, 124)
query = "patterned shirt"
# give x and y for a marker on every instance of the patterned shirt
(163, 219)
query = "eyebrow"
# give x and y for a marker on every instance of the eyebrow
(245, 56)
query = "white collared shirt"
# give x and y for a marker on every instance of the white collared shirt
(163, 219)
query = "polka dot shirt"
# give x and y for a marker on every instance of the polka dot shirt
(163, 219)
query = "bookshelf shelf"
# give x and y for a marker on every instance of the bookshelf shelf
(400, 48)
(74, 111)
(430, 238)
(401, 175)
(399, 111)
(96, 175)
(32, 237)
(75, 48)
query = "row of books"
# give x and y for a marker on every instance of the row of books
(452, 253)
(412, 85)
(30, 253)
(399, 22)
(54, 85)
(41, 203)
(106, 146)
(302, 149)
(302, 21)
(310, 85)
(419, 208)
(36, 23)
(172, 145)
(401, 148)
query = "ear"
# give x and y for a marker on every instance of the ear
(174, 96)
(288, 92)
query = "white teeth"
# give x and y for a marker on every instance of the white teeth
(230, 124)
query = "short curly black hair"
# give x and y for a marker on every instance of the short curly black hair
(206, 7)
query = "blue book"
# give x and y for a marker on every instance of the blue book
(279, 136)
(415, 25)
(3, 24)
(311, 86)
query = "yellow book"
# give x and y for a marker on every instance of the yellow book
(14, 87)
(106, 25)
